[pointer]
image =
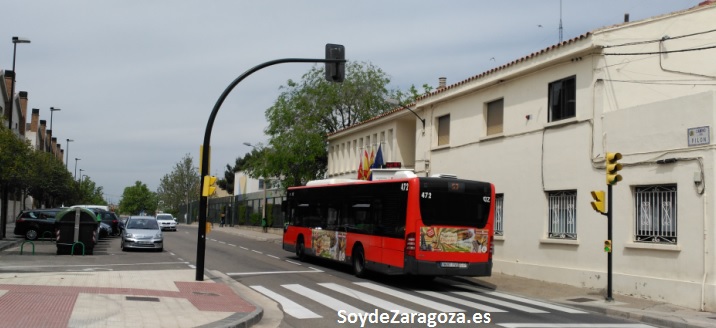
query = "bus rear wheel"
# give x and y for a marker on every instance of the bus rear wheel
(359, 262)
(300, 250)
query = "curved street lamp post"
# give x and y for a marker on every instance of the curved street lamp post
(335, 71)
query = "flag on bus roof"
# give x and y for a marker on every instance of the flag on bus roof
(377, 162)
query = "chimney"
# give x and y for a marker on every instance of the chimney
(441, 83)
(43, 135)
(9, 76)
(58, 149)
(53, 146)
(35, 121)
(626, 18)
(23, 109)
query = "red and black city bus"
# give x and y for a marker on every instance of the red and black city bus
(428, 226)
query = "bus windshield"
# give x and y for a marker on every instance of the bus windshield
(454, 202)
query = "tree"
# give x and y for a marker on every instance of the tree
(227, 183)
(137, 199)
(180, 186)
(308, 110)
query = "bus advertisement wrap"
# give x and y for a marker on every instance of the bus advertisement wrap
(444, 239)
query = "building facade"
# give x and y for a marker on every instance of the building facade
(539, 128)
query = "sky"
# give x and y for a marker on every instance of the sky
(136, 81)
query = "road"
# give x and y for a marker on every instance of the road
(318, 294)
(323, 294)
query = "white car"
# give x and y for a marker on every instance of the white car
(167, 222)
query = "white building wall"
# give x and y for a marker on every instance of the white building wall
(639, 105)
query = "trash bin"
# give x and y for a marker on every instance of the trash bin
(75, 228)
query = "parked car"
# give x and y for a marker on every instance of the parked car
(37, 223)
(142, 232)
(104, 230)
(167, 221)
(122, 223)
(107, 217)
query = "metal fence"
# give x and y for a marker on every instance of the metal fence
(245, 209)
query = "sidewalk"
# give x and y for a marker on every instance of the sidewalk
(174, 299)
(161, 298)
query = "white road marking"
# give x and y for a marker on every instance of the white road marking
(479, 306)
(523, 300)
(276, 257)
(270, 272)
(255, 251)
(232, 245)
(333, 303)
(410, 298)
(367, 298)
(502, 303)
(290, 307)
(292, 262)
(574, 325)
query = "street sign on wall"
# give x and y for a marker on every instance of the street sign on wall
(699, 136)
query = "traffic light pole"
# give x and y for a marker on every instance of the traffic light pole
(203, 200)
(609, 237)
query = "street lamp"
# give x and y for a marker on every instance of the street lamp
(67, 158)
(397, 103)
(335, 71)
(52, 110)
(80, 175)
(76, 159)
(15, 41)
(264, 179)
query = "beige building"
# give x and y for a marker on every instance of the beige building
(539, 128)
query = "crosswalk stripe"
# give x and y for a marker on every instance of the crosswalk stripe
(410, 298)
(290, 307)
(574, 325)
(498, 302)
(367, 298)
(522, 299)
(333, 303)
(448, 298)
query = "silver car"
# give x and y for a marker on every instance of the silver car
(142, 232)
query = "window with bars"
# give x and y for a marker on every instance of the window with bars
(562, 99)
(499, 223)
(655, 213)
(562, 214)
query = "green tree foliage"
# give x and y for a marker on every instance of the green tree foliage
(179, 187)
(137, 199)
(49, 182)
(227, 183)
(308, 110)
(90, 193)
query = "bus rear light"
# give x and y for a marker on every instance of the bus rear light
(410, 244)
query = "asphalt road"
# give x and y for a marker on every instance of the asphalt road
(317, 294)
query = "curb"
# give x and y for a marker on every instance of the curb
(236, 320)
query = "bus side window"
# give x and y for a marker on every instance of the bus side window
(331, 217)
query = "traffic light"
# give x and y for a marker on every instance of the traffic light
(335, 72)
(209, 186)
(598, 203)
(612, 167)
(608, 246)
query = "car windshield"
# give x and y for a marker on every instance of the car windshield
(142, 224)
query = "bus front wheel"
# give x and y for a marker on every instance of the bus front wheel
(359, 262)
